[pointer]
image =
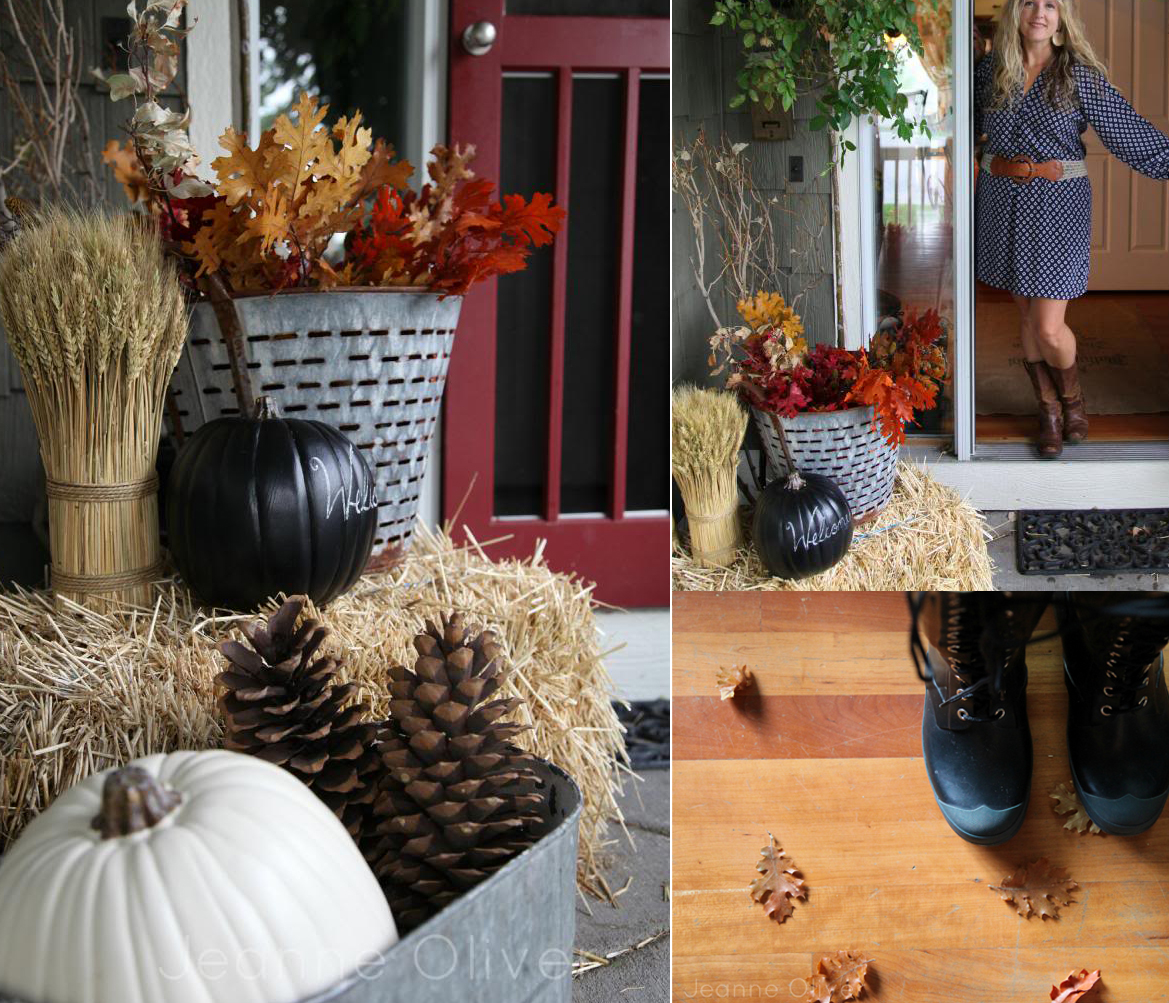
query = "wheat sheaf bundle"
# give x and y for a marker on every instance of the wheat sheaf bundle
(708, 427)
(96, 320)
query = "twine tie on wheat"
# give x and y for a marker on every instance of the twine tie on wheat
(91, 494)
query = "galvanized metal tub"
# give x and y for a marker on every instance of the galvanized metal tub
(843, 445)
(372, 362)
(508, 940)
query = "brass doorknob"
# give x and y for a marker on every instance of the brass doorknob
(479, 37)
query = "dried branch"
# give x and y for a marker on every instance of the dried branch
(715, 184)
(43, 45)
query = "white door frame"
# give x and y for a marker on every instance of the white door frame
(984, 477)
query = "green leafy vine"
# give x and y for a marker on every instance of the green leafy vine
(836, 47)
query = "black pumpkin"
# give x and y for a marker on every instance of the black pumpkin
(802, 526)
(263, 505)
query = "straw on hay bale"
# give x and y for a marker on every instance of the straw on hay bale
(82, 690)
(926, 538)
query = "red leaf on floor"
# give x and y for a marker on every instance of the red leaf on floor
(1074, 986)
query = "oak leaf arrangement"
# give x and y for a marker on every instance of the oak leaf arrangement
(839, 977)
(1074, 986)
(450, 234)
(779, 884)
(1037, 889)
(277, 206)
(733, 680)
(1067, 802)
(770, 365)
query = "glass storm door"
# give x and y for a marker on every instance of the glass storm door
(556, 423)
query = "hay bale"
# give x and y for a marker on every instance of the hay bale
(81, 691)
(926, 538)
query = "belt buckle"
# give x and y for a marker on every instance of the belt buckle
(1022, 158)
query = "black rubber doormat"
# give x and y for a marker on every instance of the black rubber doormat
(647, 733)
(1050, 543)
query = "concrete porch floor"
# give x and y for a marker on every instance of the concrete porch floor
(1007, 576)
(641, 975)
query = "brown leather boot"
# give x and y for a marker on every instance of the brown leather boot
(1050, 412)
(1067, 385)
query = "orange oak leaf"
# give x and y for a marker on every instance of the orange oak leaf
(1067, 802)
(733, 680)
(1037, 889)
(839, 977)
(127, 169)
(244, 170)
(1074, 986)
(779, 883)
(381, 169)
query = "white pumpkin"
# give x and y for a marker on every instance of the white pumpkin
(240, 886)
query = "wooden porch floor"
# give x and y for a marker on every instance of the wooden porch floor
(827, 756)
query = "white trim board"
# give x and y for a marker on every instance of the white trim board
(213, 79)
(1009, 485)
(641, 669)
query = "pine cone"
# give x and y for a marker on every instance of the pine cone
(456, 799)
(733, 680)
(286, 708)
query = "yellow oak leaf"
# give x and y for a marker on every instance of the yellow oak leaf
(304, 143)
(270, 223)
(379, 171)
(244, 170)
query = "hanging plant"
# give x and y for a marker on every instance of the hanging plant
(835, 49)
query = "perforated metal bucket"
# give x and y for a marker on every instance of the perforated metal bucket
(843, 445)
(372, 362)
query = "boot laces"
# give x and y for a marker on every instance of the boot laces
(977, 647)
(1129, 662)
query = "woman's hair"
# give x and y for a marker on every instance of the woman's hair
(1009, 73)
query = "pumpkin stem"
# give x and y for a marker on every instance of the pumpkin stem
(132, 801)
(795, 482)
(265, 408)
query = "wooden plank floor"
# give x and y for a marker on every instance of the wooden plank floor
(827, 756)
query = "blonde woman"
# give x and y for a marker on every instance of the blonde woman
(1034, 95)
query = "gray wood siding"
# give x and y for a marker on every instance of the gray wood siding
(705, 62)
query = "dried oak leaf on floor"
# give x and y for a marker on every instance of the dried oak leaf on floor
(1074, 986)
(839, 977)
(1037, 889)
(1067, 802)
(733, 680)
(779, 883)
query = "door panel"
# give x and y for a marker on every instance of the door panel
(1130, 212)
(538, 442)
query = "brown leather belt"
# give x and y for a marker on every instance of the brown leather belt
(1023, 169)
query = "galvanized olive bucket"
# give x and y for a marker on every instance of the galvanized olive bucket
(843, 445)
(371, 362)
(507, 940)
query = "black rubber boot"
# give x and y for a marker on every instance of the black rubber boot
(1118, 707)
(969, 649)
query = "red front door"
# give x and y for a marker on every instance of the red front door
(556, 414)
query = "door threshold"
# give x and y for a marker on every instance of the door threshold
(1023, 481)
(1115, 450)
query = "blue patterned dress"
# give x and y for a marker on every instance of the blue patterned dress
(1033, 238)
